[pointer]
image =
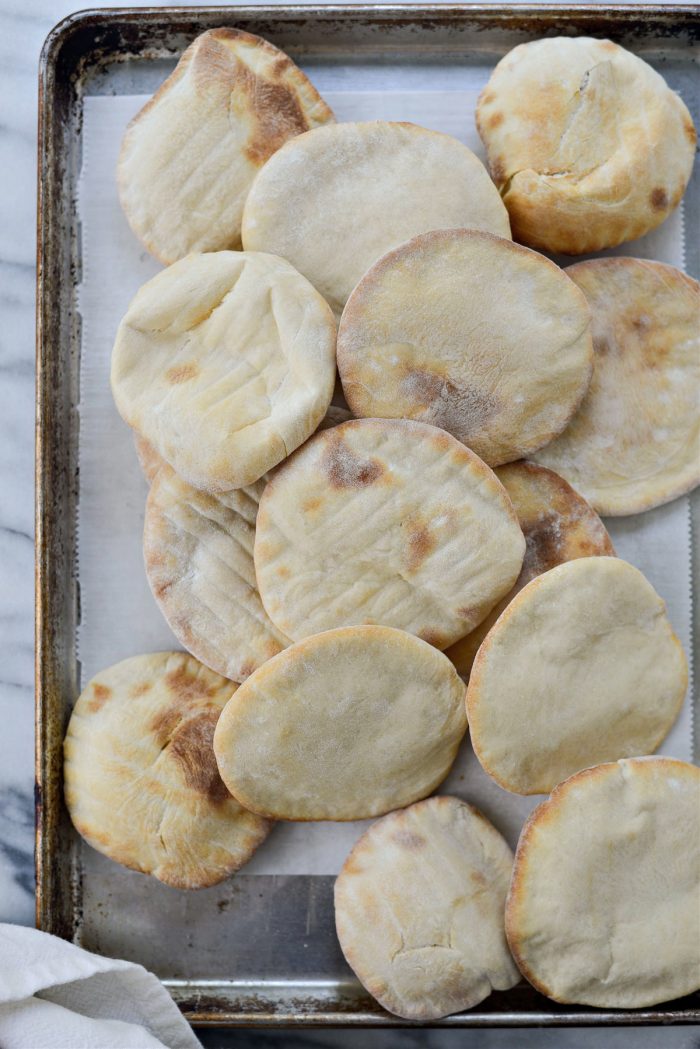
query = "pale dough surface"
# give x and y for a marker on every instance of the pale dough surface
(345, 725)
(558, 525)
(225, 363)
(141, 781)
(419, 907)
(385, 521)
(604, 906)
(485, 338)
(587, 144)
(582, 667)
(335, 199)
(635, 441)
(189, 157)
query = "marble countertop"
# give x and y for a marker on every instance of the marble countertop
(23, 27)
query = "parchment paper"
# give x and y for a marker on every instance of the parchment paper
(119, 617)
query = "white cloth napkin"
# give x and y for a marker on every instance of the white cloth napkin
(54, 995)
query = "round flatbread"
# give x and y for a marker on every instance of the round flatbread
(385, 521)
(586, 142)
(336, 199)
(190, 155)
(419, 909)
(582, 667)
(472, 333)
(342, 726)
(635, 441)
(198, 551)
(225, 363)
(141, 781)
(604, 905)
(558, 525)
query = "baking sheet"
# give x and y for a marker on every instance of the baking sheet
(119, 617)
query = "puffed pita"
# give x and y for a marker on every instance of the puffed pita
(470, 332)
(419, 909)
(604, 905)
(336, 199)
(558, 525)
(635, 441)
(587, 144)
(582, 667)
(225, 363)
(198, 552)
(385, 521)
(141, 782)
(190, 155)
(344, 725)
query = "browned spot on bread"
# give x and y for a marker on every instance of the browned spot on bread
(407, 839)
(181, 373)
(421, 542)
(346, 470)
(659, 199)
(487, 96)
(248, 668)
(192, 748)
(283, 572)
(458, 409)
(140, 690)
(641, 324)
(100, 695)
(544, 545)
(478, 878)
(187, 686)
(309, 505)
(275, 113)
(689, 128)
(495, 120)
(465, 612)
(434, 638)
(498, 171)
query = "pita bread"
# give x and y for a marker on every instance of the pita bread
(604, 906)
(198, 551)
(558, 525)
(587, 144)
(385, 521)
(225, 363)
(336, 199)
(419, 910)
(342, 726)
(472, 333)
(635, 441)
(188, 158)
(582, 667)
(141, 781)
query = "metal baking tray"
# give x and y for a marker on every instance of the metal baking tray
(254, 950)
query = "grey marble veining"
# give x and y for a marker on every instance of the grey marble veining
(23, 27)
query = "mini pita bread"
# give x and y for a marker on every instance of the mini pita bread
(336, 199)
(604, 903)
(582, 667)
(587, 144)
(342, 726)
(190, 155)
(385, 521)
(198, 551)
(141, 781)
(225, 363)
(472, 333)
(419, 909)
(635, 441)
(558, 525)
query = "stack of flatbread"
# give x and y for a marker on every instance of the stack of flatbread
(360, 571)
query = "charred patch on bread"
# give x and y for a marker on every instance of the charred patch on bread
(100, 695)
(140, 689)
(192, 748)
(344, 469)
(187, 686)
(420, 543)
(181, 373)
(659, 199)
(275, 114)
(459, 410)
(408, 839)
(495, 120)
